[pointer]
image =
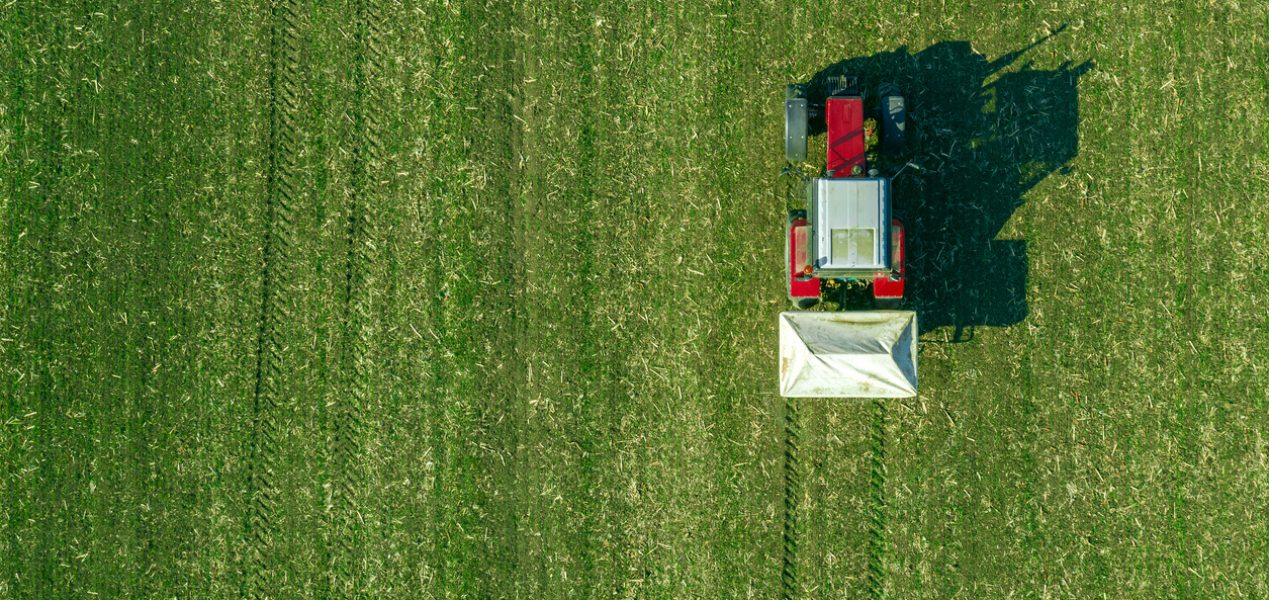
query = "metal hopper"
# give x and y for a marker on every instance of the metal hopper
(854, 354)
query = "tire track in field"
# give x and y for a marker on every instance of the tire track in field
(877, 502)
(282, 190)
(792, 499)
(347, 476)
(515, 417)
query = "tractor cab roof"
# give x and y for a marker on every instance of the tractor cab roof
(850, 218)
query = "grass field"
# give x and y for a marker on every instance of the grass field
(478, 299)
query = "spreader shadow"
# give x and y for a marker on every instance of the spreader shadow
(979, 138)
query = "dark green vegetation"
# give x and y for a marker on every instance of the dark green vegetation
(478, 300)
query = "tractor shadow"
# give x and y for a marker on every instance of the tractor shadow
(982, 138)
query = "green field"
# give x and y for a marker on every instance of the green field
(471, 299)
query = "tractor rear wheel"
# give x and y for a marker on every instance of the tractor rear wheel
(805, 303)
(888, 303)
(894, 121)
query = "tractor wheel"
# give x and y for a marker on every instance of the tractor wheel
(795, 123)
(888, 303)
(894, 121)
(805, 303)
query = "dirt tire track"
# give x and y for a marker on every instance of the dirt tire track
(792, 500)
(348, 477)
(877, 503)
(276, 309)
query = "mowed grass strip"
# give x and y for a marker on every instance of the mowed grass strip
(467, 154)
(135, 404)
(588, 236)
(639, 238)
(565, 226)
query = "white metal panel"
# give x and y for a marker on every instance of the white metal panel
(843, 209)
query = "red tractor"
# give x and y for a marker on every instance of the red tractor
(847, 234)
